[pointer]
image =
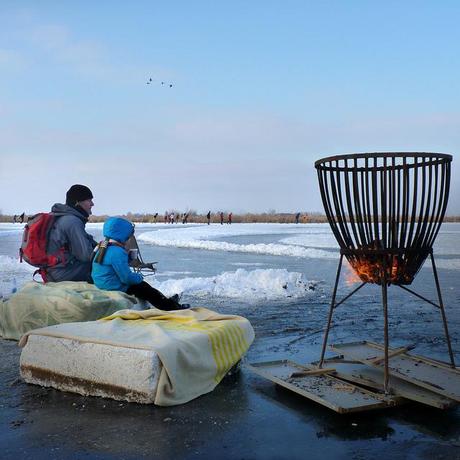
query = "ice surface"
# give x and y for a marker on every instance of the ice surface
(253, 281)
(205, 236)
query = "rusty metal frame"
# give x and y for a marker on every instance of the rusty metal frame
(386, 209)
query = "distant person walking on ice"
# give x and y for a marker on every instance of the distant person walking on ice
(229, 221)
(208, 216)
(297, 217)
(221, 218)
(19, 218)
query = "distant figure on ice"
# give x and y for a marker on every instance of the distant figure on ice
(208, 216)
(221, 218)
(297, 217)
(19, 218)
(171, 218)
(229, 221)
(185, 218)
(111, 269)
(155, 217)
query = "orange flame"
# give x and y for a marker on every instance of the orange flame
(370, 270)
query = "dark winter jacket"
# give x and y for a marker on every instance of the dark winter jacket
(69, 232)
(114, 274)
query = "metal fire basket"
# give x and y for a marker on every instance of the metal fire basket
(385, 210)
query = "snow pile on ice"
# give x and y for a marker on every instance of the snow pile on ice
(268, 284)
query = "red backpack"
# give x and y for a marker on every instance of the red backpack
(35, 241)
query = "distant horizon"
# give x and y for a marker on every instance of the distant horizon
(312, 214)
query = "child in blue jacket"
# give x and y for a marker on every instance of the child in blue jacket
(111, 271)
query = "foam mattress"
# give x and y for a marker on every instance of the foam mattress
(148, 356)
(91, 369)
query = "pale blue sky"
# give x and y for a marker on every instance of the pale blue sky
(261, 89)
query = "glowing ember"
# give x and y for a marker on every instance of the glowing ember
(370, 269)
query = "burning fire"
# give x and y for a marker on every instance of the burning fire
(369, 269)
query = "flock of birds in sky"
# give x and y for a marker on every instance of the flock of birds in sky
(150, 81)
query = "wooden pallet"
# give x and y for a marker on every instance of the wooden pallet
(427, 373)
(360, 374)
(321, 386)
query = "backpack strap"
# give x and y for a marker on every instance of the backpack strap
(99, 251)
(44, 274)
(101, 248)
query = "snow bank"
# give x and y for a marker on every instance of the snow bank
(268, 284)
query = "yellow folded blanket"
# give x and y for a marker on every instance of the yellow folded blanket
(196, 347)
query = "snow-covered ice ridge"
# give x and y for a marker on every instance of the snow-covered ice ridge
(305, 241)
(205, 236)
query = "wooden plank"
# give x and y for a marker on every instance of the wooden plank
(331, 392)
(361, 374)
(313, 372)
(418, 370)
(397, 352)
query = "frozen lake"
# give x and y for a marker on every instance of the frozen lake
(280, 276)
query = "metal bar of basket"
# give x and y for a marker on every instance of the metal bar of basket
(349, 295)
(365, 183)
(375, 215)
(393, 220)
(443, 313)
(350, 209)
(419, 296)
(414, 208)
(359, 213)
(445, 186)
(432, 224)
(405, 207)
(336, 186)
(386, 376)
(383, 201)
(331, 311)
(419, 225)
(426, 218)
(322, 178)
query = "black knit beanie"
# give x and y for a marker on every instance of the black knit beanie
(77, 193)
